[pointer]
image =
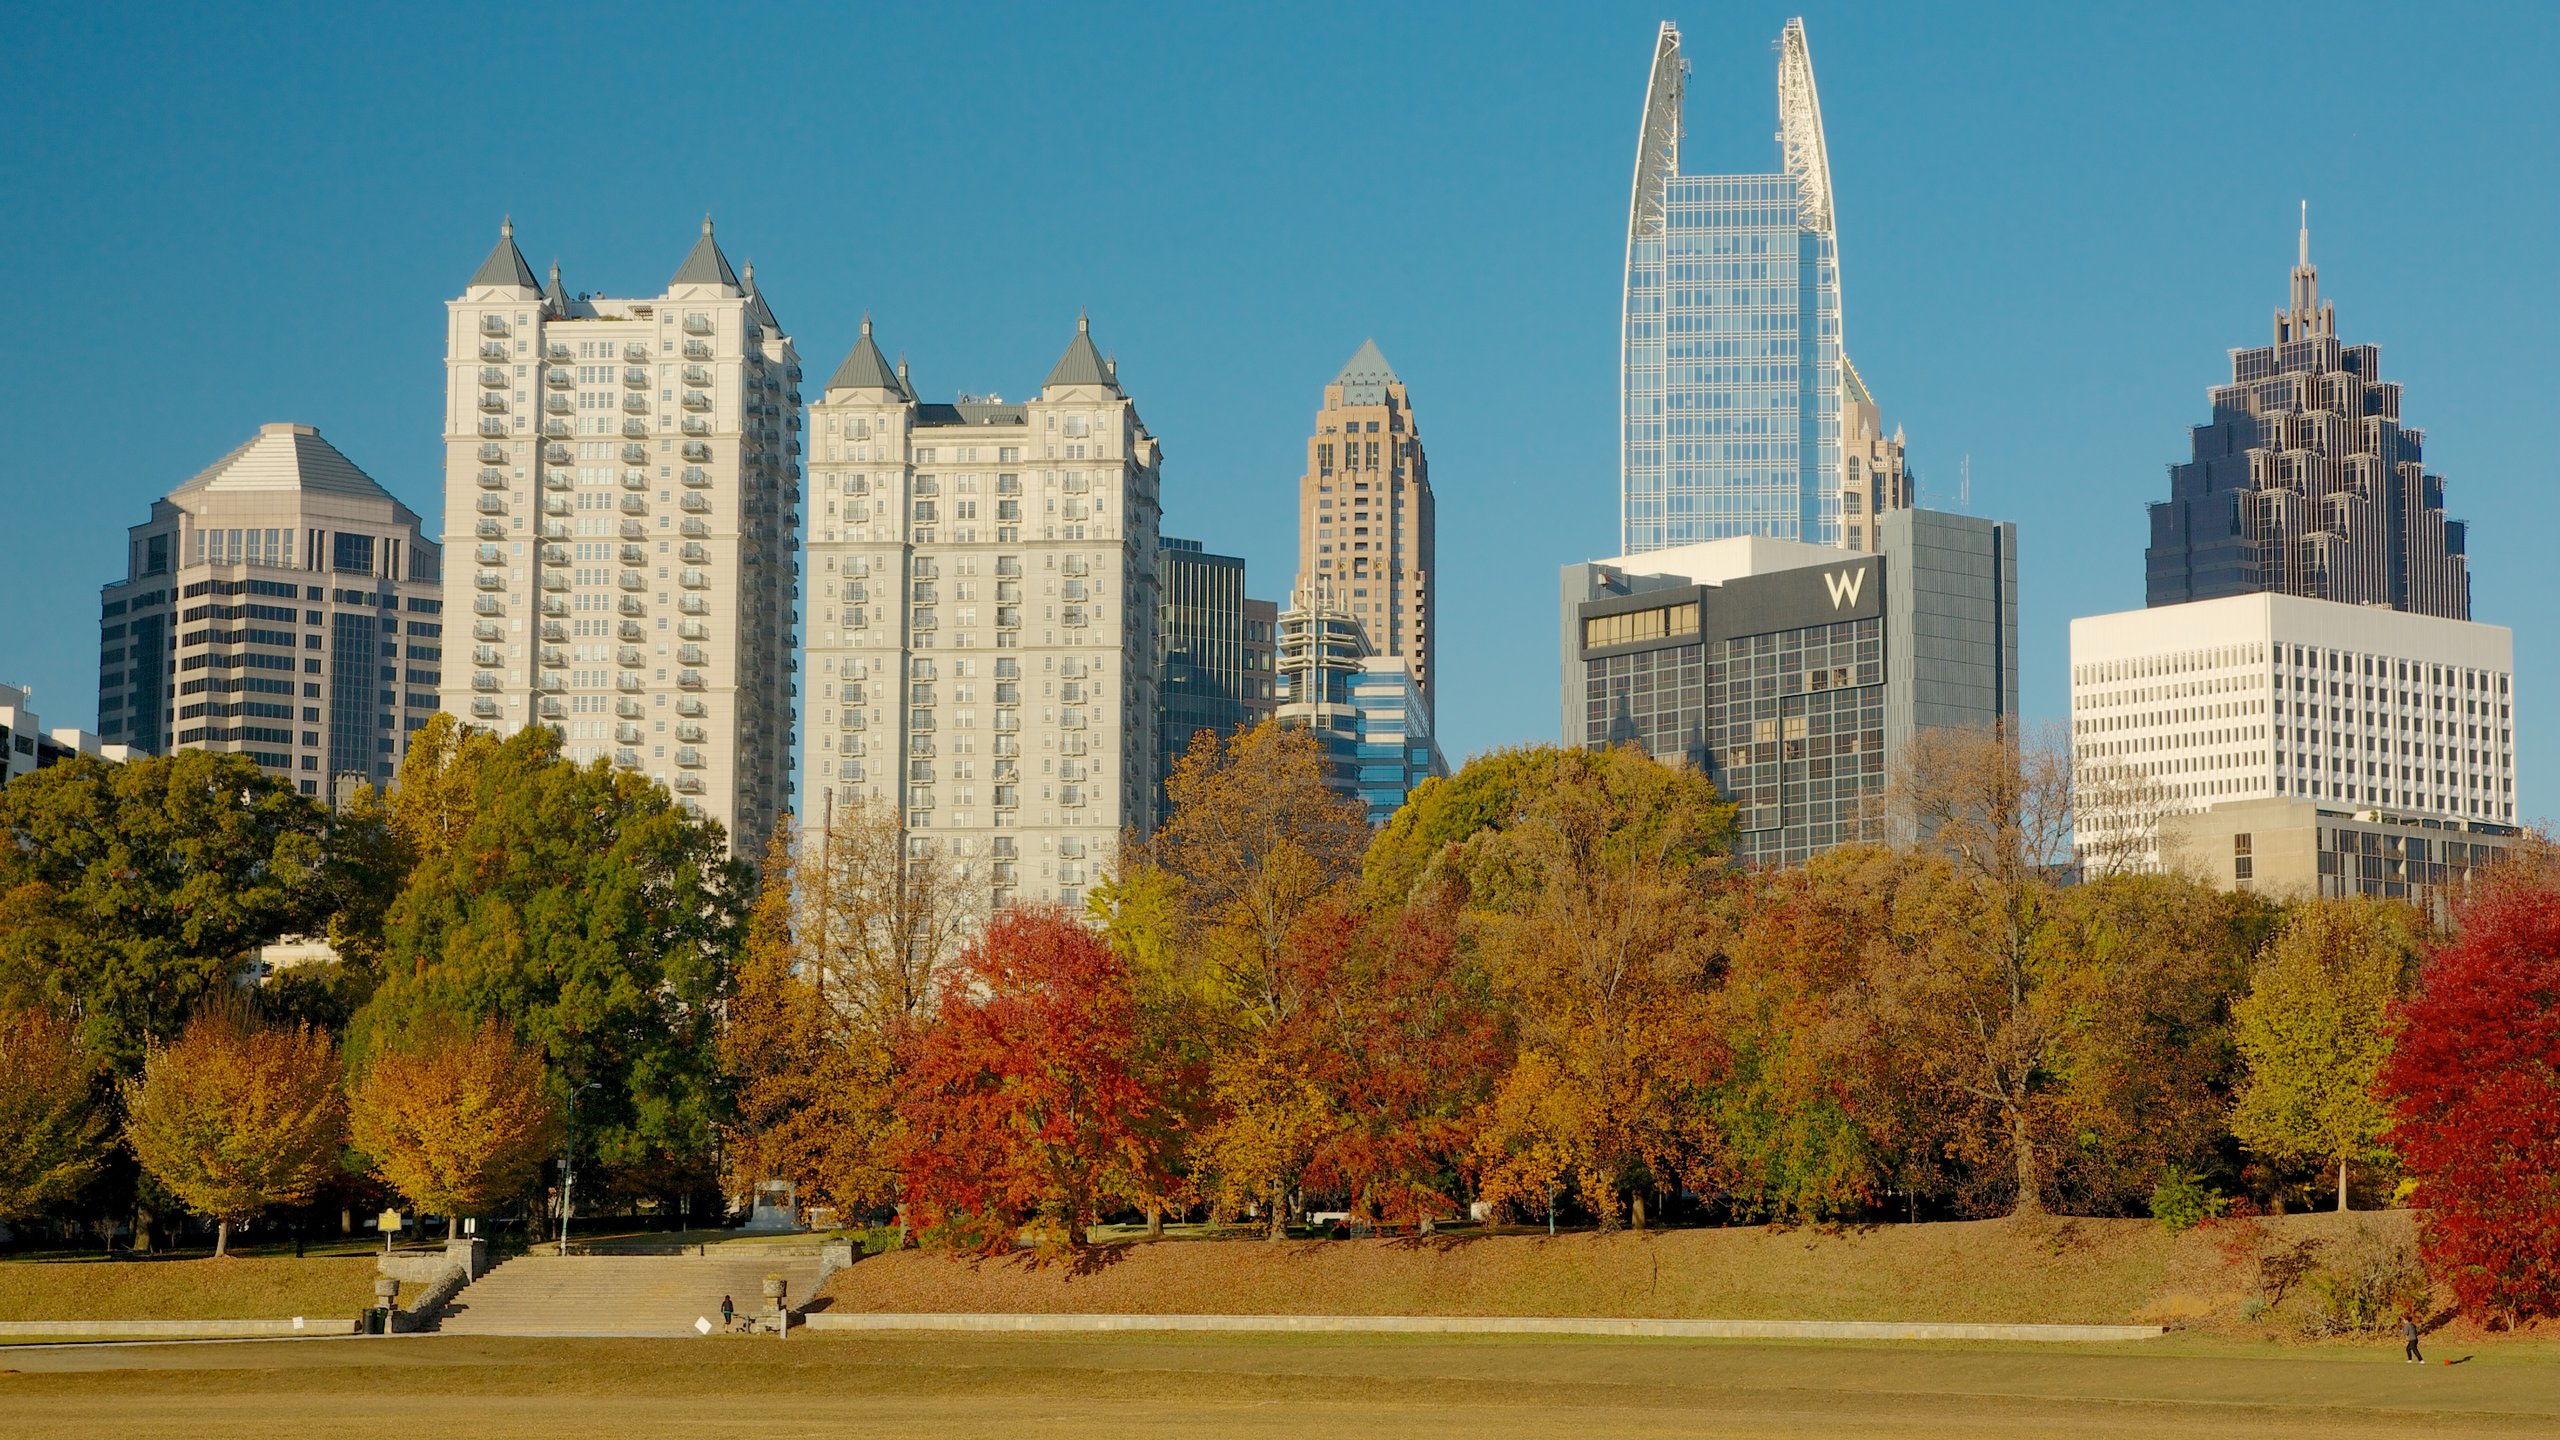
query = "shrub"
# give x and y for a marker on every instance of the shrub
(2182, 1200)
(2365, 1283)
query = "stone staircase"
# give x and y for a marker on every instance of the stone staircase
(622, 1294)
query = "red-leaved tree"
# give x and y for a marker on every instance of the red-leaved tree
(2475, 1091)
(1021, 1109)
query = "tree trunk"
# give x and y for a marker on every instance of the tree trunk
(2342, 1184)
(1155, 1217)
(1279, 1217)
(221, 1239)
(2030, 1189)
(1635, 1210)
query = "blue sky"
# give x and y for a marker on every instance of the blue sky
(2054, 223)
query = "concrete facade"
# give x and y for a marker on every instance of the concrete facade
(1365, 518)
(2293, 850)
(622, 489)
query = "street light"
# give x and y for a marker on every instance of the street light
(569, 1164)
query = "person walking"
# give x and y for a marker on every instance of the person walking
(729, 1313)
(2409, 1340)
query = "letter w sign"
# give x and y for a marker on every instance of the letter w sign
(1844, 586)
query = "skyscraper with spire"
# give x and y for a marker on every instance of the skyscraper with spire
(1365, 518)
(2305, 482)
(622, 501)
(1734, 386)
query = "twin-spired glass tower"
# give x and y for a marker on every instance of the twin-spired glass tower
(1732, 388)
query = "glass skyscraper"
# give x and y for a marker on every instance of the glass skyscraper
(1732, 382)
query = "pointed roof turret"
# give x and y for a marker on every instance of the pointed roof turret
(706, 265)
(1082, 364)
(865, 368)
(558, 298)
(505, 265)
(2304, 314)
(1364, 378)
(756, 307)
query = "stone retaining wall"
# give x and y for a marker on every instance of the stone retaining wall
(1485, 1325)
(181, 1329)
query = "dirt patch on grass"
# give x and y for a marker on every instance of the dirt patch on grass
(236, 1288)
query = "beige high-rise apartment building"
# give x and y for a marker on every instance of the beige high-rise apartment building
(622, 499)
(983, 619)
(1365, 513)
(279, 605)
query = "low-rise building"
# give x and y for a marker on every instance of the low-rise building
(2291, 849)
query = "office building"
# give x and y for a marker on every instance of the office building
(622, 489)
(2352, 709)
(26, 746)
(2297, 849)
(1261, 660)
(279, 605)
(983, 618)
(1795, 675)
(1735, 389)
(2306, 483)
(1207, 682)
(1371, 724)
(1365, 513)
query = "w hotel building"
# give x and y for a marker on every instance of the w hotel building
(622, 492)
(282, 606)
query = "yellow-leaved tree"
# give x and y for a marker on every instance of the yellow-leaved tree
(234, 1116)
(456, 1118)
(2316, 1027)
(51, 1132)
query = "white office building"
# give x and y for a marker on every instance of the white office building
(983, 618)
(622, 499)
(2357, 709)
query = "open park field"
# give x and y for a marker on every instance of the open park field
(949, 1385)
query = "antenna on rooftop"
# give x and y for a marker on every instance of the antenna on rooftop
(1964, 485)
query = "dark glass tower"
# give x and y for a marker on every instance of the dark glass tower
(2305, 483)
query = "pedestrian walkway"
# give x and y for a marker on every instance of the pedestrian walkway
(622, 1294)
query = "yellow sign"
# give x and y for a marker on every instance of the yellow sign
(390, 1219)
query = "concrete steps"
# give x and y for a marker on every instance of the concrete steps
(620, 1294)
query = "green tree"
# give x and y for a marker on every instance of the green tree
(2316, 1027)
(585, 907)
(1486, 794)
(129, 892)
(234, 1116)
(52, 1130)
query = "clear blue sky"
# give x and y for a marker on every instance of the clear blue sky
(2054, 222)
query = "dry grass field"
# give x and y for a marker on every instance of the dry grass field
(1257, 1386)
(234, 1288)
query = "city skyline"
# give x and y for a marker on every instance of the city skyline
(2169, 263)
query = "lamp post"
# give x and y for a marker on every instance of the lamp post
(569, 1165)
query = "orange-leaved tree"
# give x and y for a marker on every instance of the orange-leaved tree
(234, 1116)
(52, 1133)
(456, 1118)
(1019, 1109)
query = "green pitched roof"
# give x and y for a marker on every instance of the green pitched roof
(705, 265)
(505, 265)
(1364, 378)
(1082, 364)
(865, 368)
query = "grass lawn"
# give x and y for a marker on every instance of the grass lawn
(2069, 1272)
(237, 1288)
(1292, 1386)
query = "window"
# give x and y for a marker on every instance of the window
(351, 554)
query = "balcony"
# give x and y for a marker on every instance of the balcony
(690, 785)
(557, 505)
(488, 605)
(493, 454)
(491, 579)
(635, 404)
(695, 425)
(692, 630)
(555, 454)
(693, 580)
(692, 605)
(688, 757)
(628, 684)
(628, 709)
(635, 454)
(631, 633)
(558, 379)
(555, 632)
(697, 375)
(554, 581)
(692, 655)
(554, 658)
(696, 553)
(634, 555)
(635, 479)
(550, 709)
(696, 400)
(488, 630)
(484, 708)
(697, 324)
(556, 606)
(632, 606)
(495, 377)
(559, 404)
(627, 734)
(634, 530)
(627, 759)
(558, 351)
(637, 354)
(494, 325)
(634, 581)
(691, 708)
(493, 504)
(695, 477)
(689, 679)
(484, 680)
(689, 733)
(485, 656)
(494, 351)
(696, 451)
(695, 503)
(493, 479)
(551, 682)
(559, 480)
(493, 403)
(555, 554)
(630, 657)
(558, 429)
(696, 529)
(555, 529)
(635, 505)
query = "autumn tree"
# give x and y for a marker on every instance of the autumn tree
(234, 1116)
(588, 909)
(1018, 1108)
(2474, 1086)
(456, 1118)
(879, 913)
(2315, 1028)
(130, 892)
(1444, 812)
(1179, 1021)
(52, 1130)
(1590, 909)
(812, 1072)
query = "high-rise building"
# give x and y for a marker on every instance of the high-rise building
(622, 489)
(1370, 722)
(1261, 660)
(1876, 480)
(2304, 481)
(1207, 683)
(1365, 515)
(280, 605)
(26, 746)
(983, 618)
(1792, 674)
(1734, 387)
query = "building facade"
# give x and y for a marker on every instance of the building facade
(983, 634)
(2296, 849)
(26, 746)
(2350, 708)
(2306, 483)
(1207, 680)
(622, 489)
(1365, 521)
(1794, 675)
(1371, 725)
(1734, 386)
(280, 605)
